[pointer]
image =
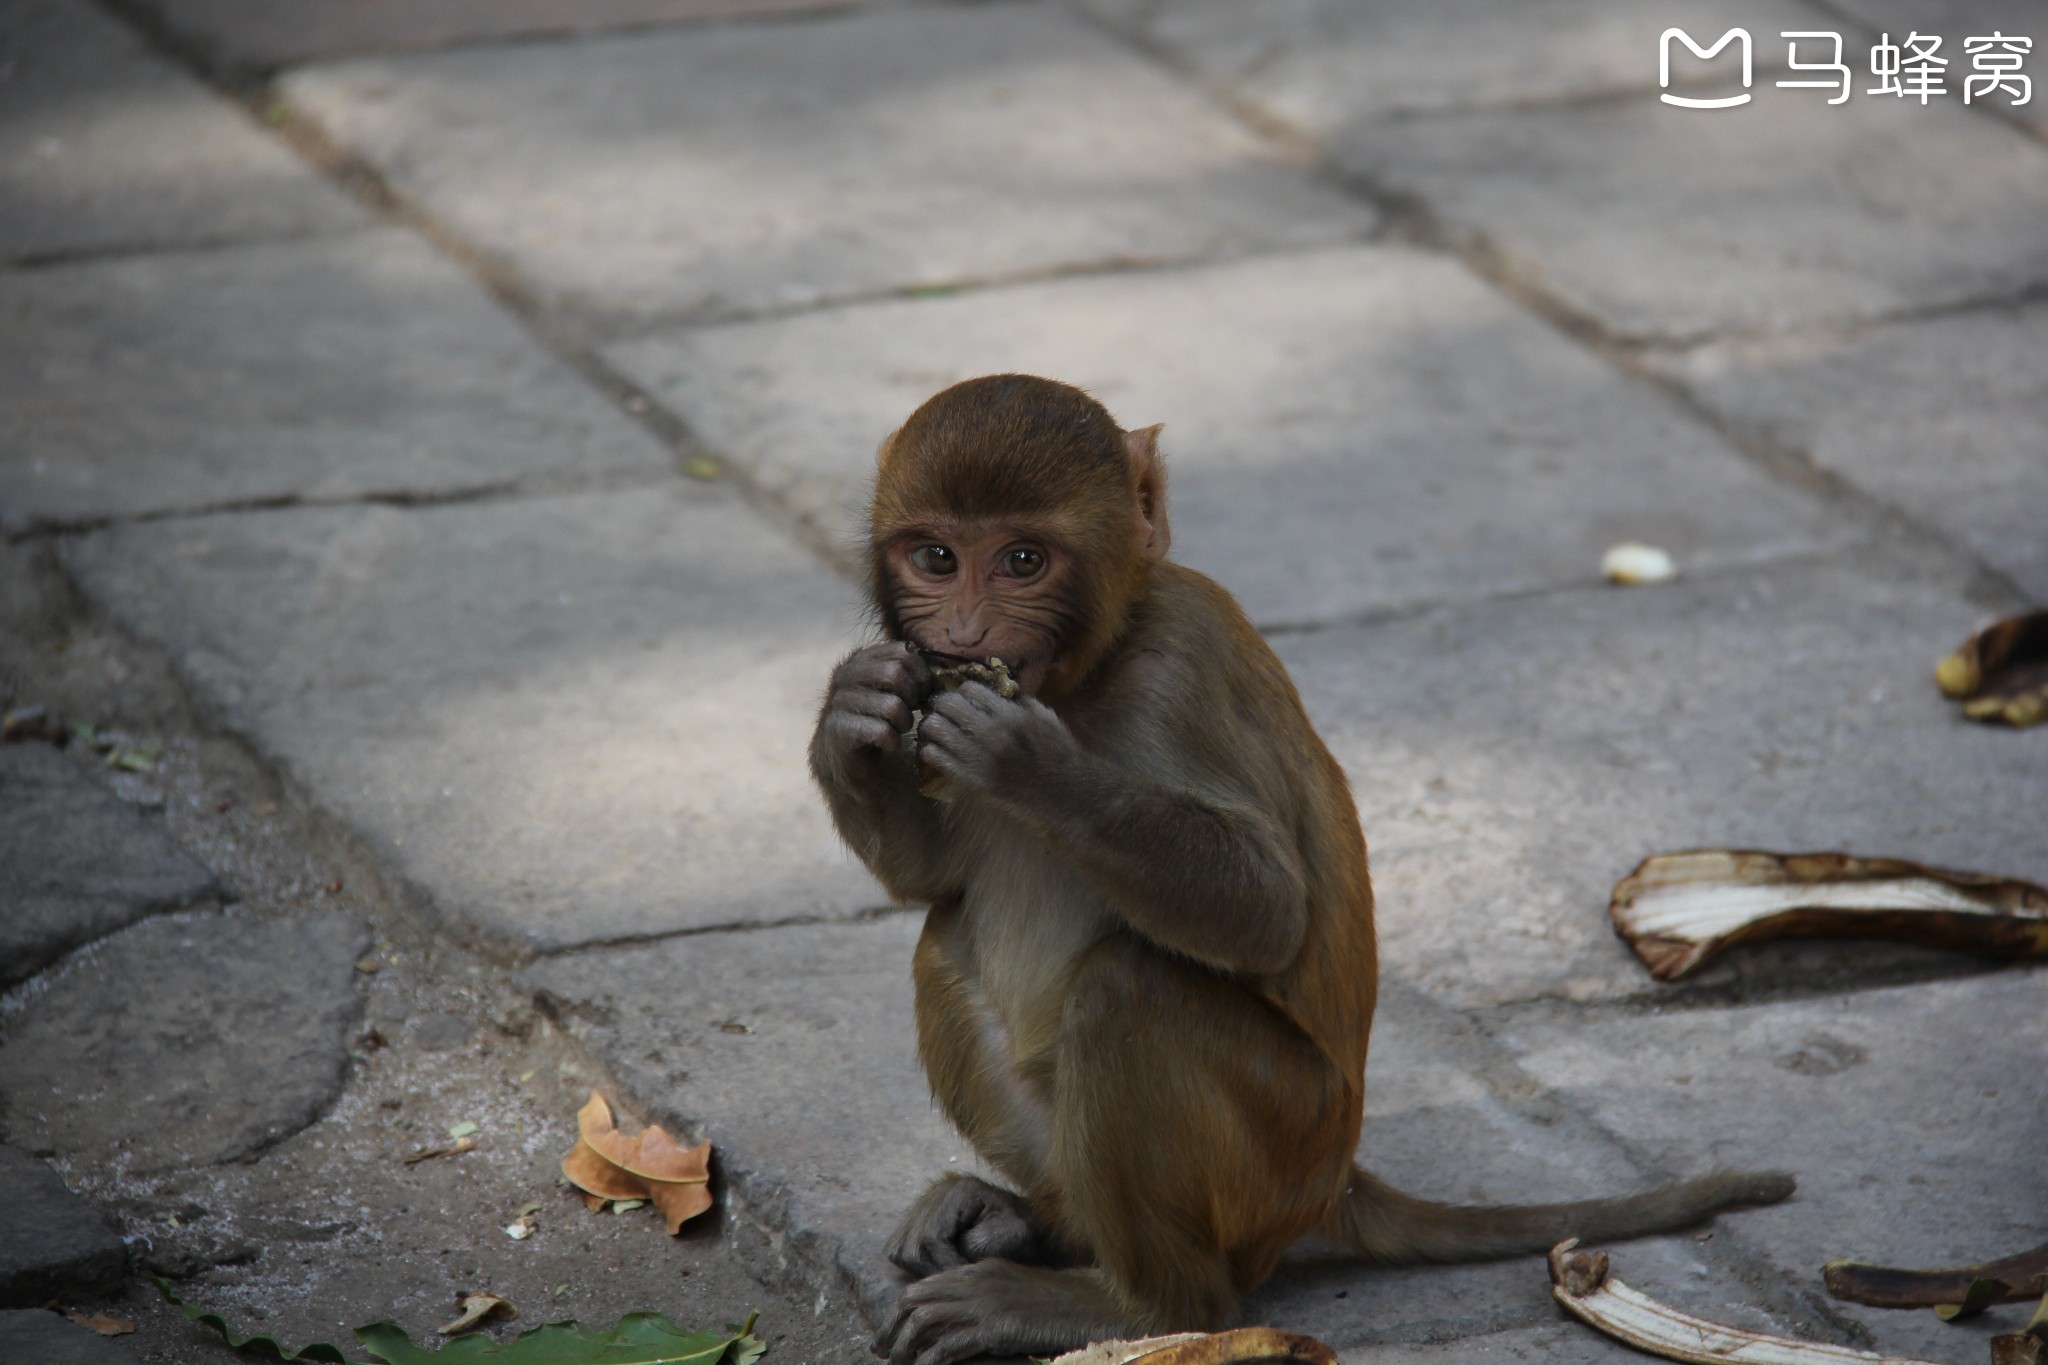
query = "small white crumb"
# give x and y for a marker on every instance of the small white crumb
(1633, 564)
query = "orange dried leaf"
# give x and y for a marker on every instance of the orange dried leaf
(598, 1178)
(106, 1324)
(607, 1164)
(653, 1155)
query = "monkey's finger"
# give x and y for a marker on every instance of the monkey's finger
(918, 1328)
(865, 701)
(897, 670)
(937, 1253)
(963, 708)
(952, 757)
(853, 731)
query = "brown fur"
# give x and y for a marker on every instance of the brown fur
(1146, 981)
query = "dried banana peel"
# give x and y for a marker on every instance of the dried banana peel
(1679, 909)
(2019, 1278)
(1245, 1346)
(2027, 1347)
(1580, 1283)
(2000, 674)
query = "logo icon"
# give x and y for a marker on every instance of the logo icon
(1704, 54)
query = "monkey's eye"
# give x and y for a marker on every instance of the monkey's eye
(936, 560)
(1023, 563)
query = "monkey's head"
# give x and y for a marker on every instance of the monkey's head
(1014, 519)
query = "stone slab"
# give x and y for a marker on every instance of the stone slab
(256, 36)
(1787, 213)
(1958, 20)
(735, 168)
(1347, 430)
(51, 1339)
(105, 147)
(1912, 1116)
(186, 1040)
(77, 862)
(792, 1050)
(1945, 418)
(560, 720)
(1513, 759)
(1556, 1343)
(1329, 66)
(52, 1243)
(363, 366)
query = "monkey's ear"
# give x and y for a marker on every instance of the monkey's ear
(1148, 479)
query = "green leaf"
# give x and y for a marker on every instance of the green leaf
(639, 1339)
(1981, 1294)
(257, 1344)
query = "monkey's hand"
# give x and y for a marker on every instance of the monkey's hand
(1005, 749)
(961, 1219)
(867, 711)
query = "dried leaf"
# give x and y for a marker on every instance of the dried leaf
(2000, 674)
(106, 1324)
(473, 1309)
(1679, 909)
(2024, 1276)
(2027, 1347)
(461, 1130)
(467, 1144)
(1581, 1285)
(2019, 1348)
(609, 1165)
(25, 723)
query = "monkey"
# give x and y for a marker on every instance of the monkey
(1147, 971)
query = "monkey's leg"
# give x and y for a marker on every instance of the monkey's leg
(965, 1054)
(1195, 1134)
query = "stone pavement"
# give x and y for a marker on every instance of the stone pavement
(480, 437)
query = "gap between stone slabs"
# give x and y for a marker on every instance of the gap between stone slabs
(594, 728)
(321, 370)
(1346, 430)
(106, 147)
(793, 1050)
(726, 169)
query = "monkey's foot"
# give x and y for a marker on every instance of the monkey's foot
(960, 1220)
(998, 1308)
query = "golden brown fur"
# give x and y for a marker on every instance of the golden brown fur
(1147, 975)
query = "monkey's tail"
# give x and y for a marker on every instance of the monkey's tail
(1377, 1222)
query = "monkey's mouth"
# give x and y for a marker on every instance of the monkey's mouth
(942, 658)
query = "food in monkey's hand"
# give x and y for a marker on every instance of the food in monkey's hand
(995, 673)
(951, 678)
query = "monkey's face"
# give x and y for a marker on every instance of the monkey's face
(982, 591)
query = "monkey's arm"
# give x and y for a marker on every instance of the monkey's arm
(869, 785)
(1208, 877)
